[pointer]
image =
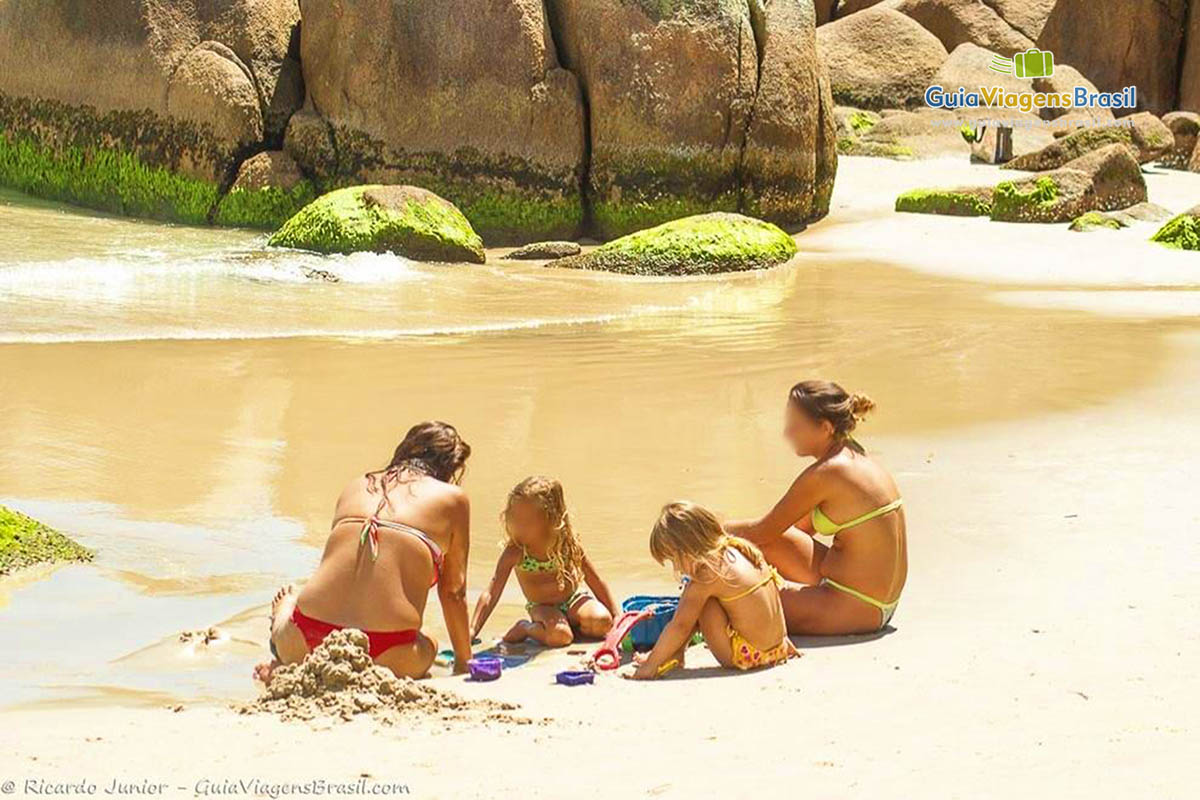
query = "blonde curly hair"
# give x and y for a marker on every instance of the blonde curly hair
(565, 547)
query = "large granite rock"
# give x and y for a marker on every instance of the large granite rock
(1119, 44)
(879, 58)
(469, 101)
(699, 106)
(138, 106)
(954, 22)
(1027, 16)
(790, 152)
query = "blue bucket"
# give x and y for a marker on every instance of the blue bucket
(645, 634)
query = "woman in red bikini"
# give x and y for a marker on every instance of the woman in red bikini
(397, 532)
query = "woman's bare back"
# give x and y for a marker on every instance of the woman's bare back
(348, 589)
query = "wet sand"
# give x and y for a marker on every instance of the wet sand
(1044, 435)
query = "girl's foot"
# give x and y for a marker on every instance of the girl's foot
(282, 605)
(519, 632)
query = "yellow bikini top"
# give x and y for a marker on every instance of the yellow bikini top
(824, 525)
(772, 577)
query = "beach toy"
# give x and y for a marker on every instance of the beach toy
(445, 658)
(573, 677)
(607, 655)
(644, 635)
(485, 668)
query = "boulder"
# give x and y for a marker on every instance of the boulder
(923, 133)
(1102, 180)
(969, 67)
(973, 201)
(1182, 232)
(1028, 17)
(1066, 79)
(544, 251)
(1189, 58)
(1184, 127)
(954, 22)
(789, 158)
(211, 87)
(852, 121)
(1095, 221)
(1151, 137)
(745, 125)
(1122, 218)
(880, 58)
(136, 106)
(698, 245)
(470, 101)
(269, 189)
(847, 7)
(1068, 148)
(1119, 44)
(405, 220)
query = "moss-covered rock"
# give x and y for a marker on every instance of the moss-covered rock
(697, 245)
(1094, 221)
(406, 220)
(1182, 232)
(973, 202)
(25, 541)
(1103, 180)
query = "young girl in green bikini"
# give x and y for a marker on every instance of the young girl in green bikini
(551, 567)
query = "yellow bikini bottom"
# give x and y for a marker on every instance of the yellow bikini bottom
(747, 656)
(886, 610)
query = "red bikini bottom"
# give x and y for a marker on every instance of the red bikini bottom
(315, 631)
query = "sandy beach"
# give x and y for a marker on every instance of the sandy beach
(1043, 647)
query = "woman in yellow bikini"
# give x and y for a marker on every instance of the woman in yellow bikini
(852, 585)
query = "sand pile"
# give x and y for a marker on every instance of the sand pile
(338, 679)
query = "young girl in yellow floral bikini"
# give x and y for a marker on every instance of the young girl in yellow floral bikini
(730, 592)
(543, 548)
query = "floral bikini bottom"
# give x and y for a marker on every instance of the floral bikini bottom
(747, 656)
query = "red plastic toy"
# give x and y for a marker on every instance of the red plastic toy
(608, 654)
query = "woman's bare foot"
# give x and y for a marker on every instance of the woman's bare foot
(288, 591)
(519, 632)
(282, 605)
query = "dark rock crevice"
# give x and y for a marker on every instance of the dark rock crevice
(758, 27)
(555, 25)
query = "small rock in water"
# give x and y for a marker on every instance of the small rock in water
(544, 251)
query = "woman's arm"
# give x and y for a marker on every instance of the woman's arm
(491, 595)
(679, 630)
(793, 509)
(598, 586)
(452, 586)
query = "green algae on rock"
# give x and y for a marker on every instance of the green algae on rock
(1094, 221)
(269, 190)
(1182, 232)
(1103, 180)
(25, 542)
(697, 245)
(948, 202)
(406, 220)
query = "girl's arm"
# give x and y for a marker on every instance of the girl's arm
(679, 630)
(452, 585)
(793, 509)
(491, 595)
(598, 586)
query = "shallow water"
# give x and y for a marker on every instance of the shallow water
(189, 403)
